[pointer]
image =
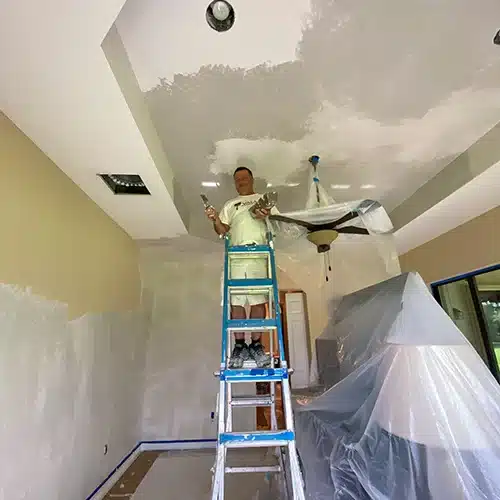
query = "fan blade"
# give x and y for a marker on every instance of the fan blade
(281, 218)
(345, 218)
(352, 230)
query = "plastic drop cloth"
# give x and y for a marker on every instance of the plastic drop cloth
(415, 412)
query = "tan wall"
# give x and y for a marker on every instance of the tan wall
(55, 239)
(473, 245)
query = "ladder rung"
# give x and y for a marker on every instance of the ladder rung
(260, 439)
(251, 324)
(259, 468)
(247, 401)
(254, 374)
(250, 249)
(250, 283)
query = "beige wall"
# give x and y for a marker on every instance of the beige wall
(471, 246)
(55, 239)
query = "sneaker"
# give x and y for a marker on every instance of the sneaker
(258, 354)
(239, 355)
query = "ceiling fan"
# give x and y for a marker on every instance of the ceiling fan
(323, 234)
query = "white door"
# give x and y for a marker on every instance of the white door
(298, 339)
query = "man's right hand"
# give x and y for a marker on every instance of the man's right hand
(212, 214)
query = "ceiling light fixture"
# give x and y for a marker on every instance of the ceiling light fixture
(341, 186)
(367, 186)
(210, 184)
(293, 184)
(496, 38)
(220, 15)
(269, 185)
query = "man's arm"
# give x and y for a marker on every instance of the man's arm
(219, 227)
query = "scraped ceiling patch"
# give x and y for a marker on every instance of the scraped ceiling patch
(343, 134)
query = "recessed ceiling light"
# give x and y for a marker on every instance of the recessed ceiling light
(210, 184)
(293, 184)
(220, 15)
(496, 38)
(341, 186)
(269, 185)
(367, 186)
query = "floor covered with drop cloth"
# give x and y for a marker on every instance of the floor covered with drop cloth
(186, 475)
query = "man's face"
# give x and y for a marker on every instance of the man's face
(243, 182)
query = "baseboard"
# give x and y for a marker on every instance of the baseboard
(100, 492)
(161, 445)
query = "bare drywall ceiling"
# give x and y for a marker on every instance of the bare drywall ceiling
(386, 92)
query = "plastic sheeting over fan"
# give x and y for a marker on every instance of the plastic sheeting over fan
(323, 221)
(414, 411)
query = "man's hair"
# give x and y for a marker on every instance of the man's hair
(239, 169)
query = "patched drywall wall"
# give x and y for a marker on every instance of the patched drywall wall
(182, 279)
(70, 370)
(70, 393)
(184, 284)
(471, 246)
(55, 239)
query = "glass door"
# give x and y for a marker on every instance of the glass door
(476, 313)
(456, 300)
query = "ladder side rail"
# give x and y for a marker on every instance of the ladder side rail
(225, 306)
(277, 309)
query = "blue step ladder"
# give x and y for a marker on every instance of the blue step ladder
(283, 441)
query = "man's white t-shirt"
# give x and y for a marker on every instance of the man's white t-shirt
(245, 228)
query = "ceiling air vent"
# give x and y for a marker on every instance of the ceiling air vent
(125, 183)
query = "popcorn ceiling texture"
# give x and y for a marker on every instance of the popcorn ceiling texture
(67, 389)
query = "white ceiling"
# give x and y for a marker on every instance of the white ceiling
(58, 88)
(478, 196)
(386, 92)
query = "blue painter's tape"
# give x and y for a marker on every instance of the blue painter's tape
(466, 275)
(134, 449)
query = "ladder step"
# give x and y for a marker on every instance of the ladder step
(250, 249)
(254, 374)
(250, 283)
(260, 468)
(251, 324)
(248, 401)
(260, 439)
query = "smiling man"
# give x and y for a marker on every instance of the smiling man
(245, 228)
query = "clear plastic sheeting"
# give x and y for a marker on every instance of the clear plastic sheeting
(366, 214)
(70, 393)
(414, 411)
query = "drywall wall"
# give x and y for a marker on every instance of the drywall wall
(184, 343)
(182, 279)
(471, 246)
(68, 390)
(70, 369)
(55, 239)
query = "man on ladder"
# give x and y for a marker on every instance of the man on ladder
(250, 274)
(247, 228)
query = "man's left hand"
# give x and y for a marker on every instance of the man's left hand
(261, 213)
